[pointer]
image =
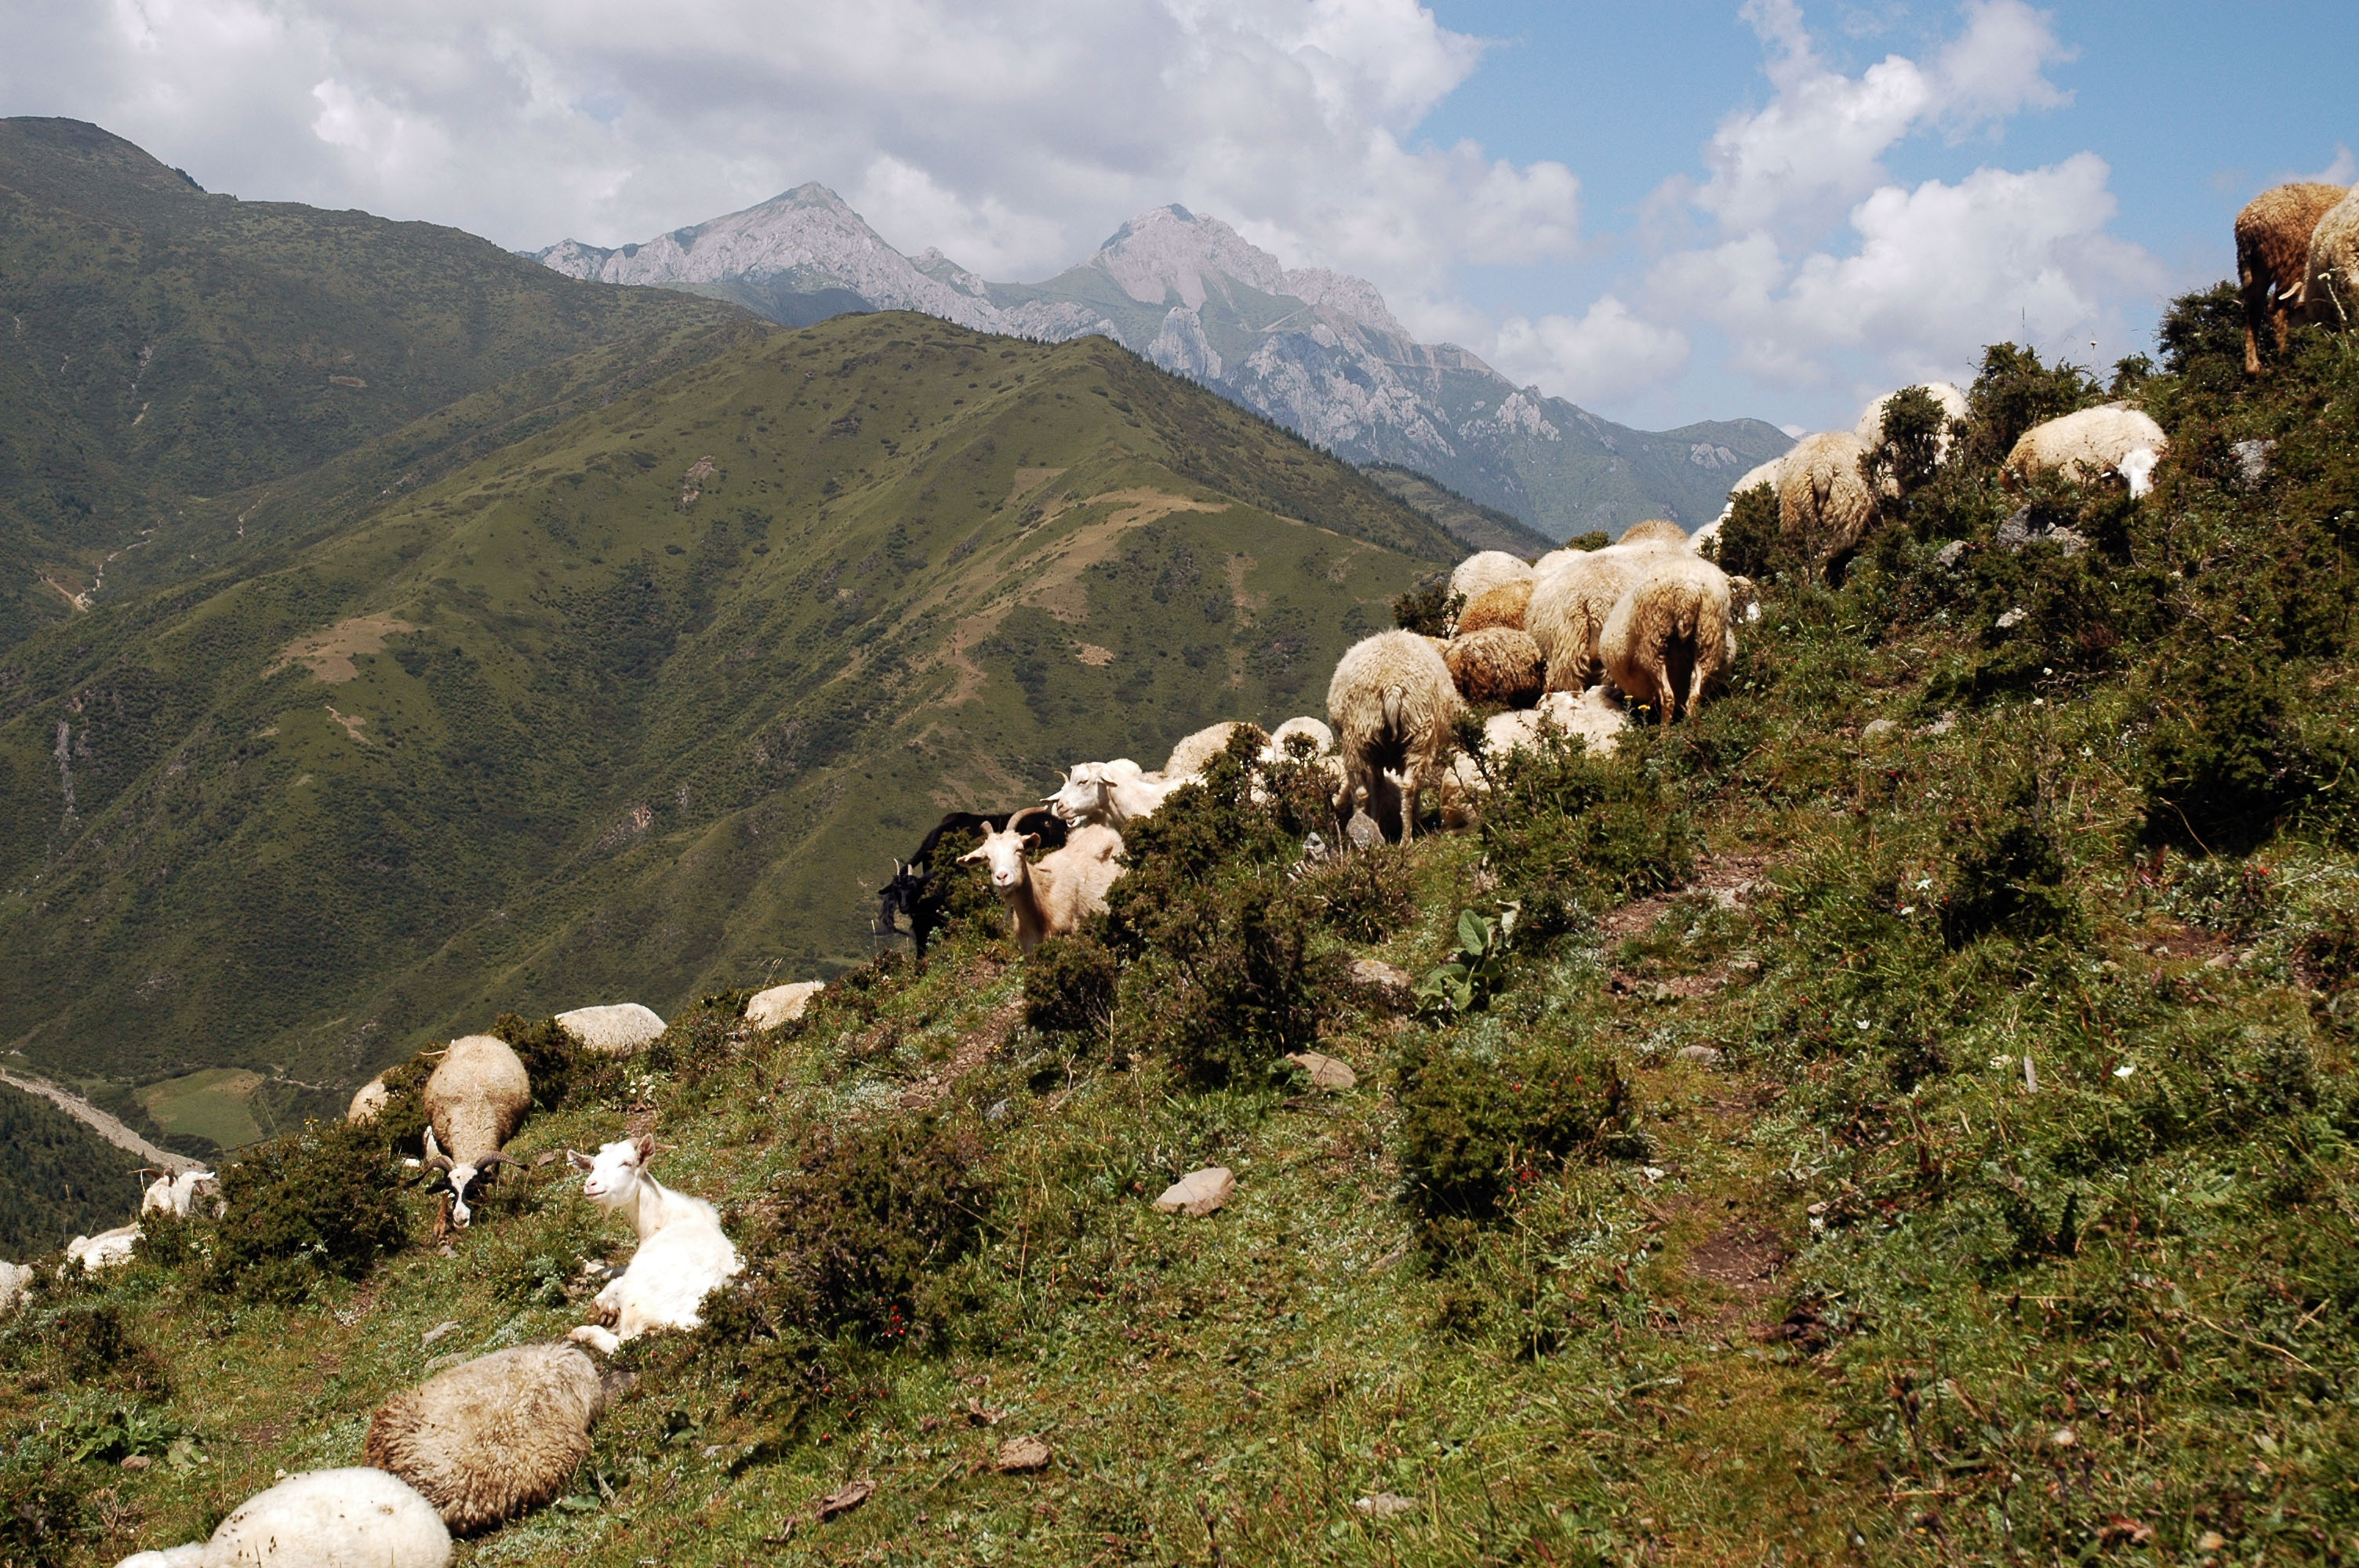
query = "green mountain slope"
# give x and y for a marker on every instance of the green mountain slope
(57, 1179)
(159, 345)
(1471, 523)
(638, 705)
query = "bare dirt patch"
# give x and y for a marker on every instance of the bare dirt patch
(329, 654)
(1029, 480)
(350, 722)
(1090, 653)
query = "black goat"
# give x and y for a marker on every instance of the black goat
(916, 891)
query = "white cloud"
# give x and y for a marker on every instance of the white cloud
(1013, 135)
(1603, 356)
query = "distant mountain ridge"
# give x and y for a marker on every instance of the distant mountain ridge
(1315, 349)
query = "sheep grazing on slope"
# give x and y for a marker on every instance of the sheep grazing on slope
(368, 1100)
(1109, 794)
(683, 1254)
(492, 1437)
(1497, 667)
(1870, 428)
(2273, 238)
(474, 1103)
(1193, 754)
(2088, 446)
(1823, 502)
(1053, 897)
(1484, 570)
(360, 1517)
(1392, 703)
(175, 1194)
(1502, 606)
(2329, 293)
(781, 1004)
(917, 893)
(1570, 607)
(615, 1029)
(1654, 531)
(1672, 635)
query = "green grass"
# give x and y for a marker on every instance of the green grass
(216, 1103)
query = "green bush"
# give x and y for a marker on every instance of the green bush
(308, 1205)
(93, 1346)
(1361, 897)
(1430, 607)
(1751, 543)
(1905, 457)
(44, 1506)
(2225, 761)
(1070, 984)
(2015, 392)
(1474, 1133)
(2009, 875)
(1570, 832)
(551, 1057)
(1229, 983)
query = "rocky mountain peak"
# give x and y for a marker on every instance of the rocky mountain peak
(1169, 250)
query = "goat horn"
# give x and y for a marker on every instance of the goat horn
(495, 1158)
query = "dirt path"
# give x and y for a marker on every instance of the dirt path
(100, 1122)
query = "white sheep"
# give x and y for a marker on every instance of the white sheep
(781, 1004)
(1569, 609)
(1053, 897)
(1323, 738)
(474, 1103)
(360, 1517)
(15, 1279)
(2090, 444)
(683, 1254)
(615, 1029)
(1487, 569)
(1652, 531)
(168, 1194)
(1109, 794)
(1392, 703)
(1593, 717)
(108, 1249)
(1823, 504)
(1870, 428)
(1672, 635)
(489, 1438)
(368, 1100)
(1195, 753)
(2329, 289)
(2274, 235)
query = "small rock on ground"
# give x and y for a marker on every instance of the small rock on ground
(1384, 1505)
(1198, 1193)
(845, 1499)
(1022, 1456)
(1381, 976)
(1326, 1072)
(1877, 728)
(1702, 1055)
(436, 1331)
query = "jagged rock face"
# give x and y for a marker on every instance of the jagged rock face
(1316, 351)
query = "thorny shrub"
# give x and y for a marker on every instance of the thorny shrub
(323, 1201)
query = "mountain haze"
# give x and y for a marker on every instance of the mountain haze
(1315, 349)
(638, 706)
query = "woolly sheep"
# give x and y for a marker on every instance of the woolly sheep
(1502, 606)
(615, 1029)
(1652, 531)
(1870, 428)
(1195, 753)
(1392, 703)
(1484, 570)
(683, 1254)
(2330, 290)
(474, 1103)
(1823, 504)
(368, 1100)
(1323, 738)
(1671, 636)
(2273, 257)
(1569, 609)
(108, 1249)
(360, 1517)
(781, 1004)
(1053, 897)
(1594, 719)
(2087, 446)
(492, 1437)
(1497, 667)
(169, 1194)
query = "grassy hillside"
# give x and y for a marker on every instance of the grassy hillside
(640, 704)
(1471, 523)
(1910, 1119)
(57, 1179)
(160, 345)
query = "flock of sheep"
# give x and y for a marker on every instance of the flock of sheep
(1566, 644)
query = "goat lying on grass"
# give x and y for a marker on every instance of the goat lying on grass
(683, 1254)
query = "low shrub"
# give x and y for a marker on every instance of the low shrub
(93, 1346)
(1070, 984)
(1430, 607)
(1568, 830)
(44, 1506)
(1363, 897)
(1229, 983)
(2009, 875)
(551, 1057)
(1751, 543)
(321, 1202)
(1475, 1132)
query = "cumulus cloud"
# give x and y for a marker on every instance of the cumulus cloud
(1014, 136)
(1603, 356)
(1820, 270)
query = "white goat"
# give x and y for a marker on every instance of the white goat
(683, 1254)
(1110, 794)
(168, 1194)
(108, 1249)
(1053, 897)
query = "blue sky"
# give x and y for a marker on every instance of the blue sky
(1664, 212)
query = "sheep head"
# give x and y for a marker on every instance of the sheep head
(1003, 851)
(613, 1174)
(461, 1174)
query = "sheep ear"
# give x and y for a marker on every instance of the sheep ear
(579, 1162)
(647, 1148)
